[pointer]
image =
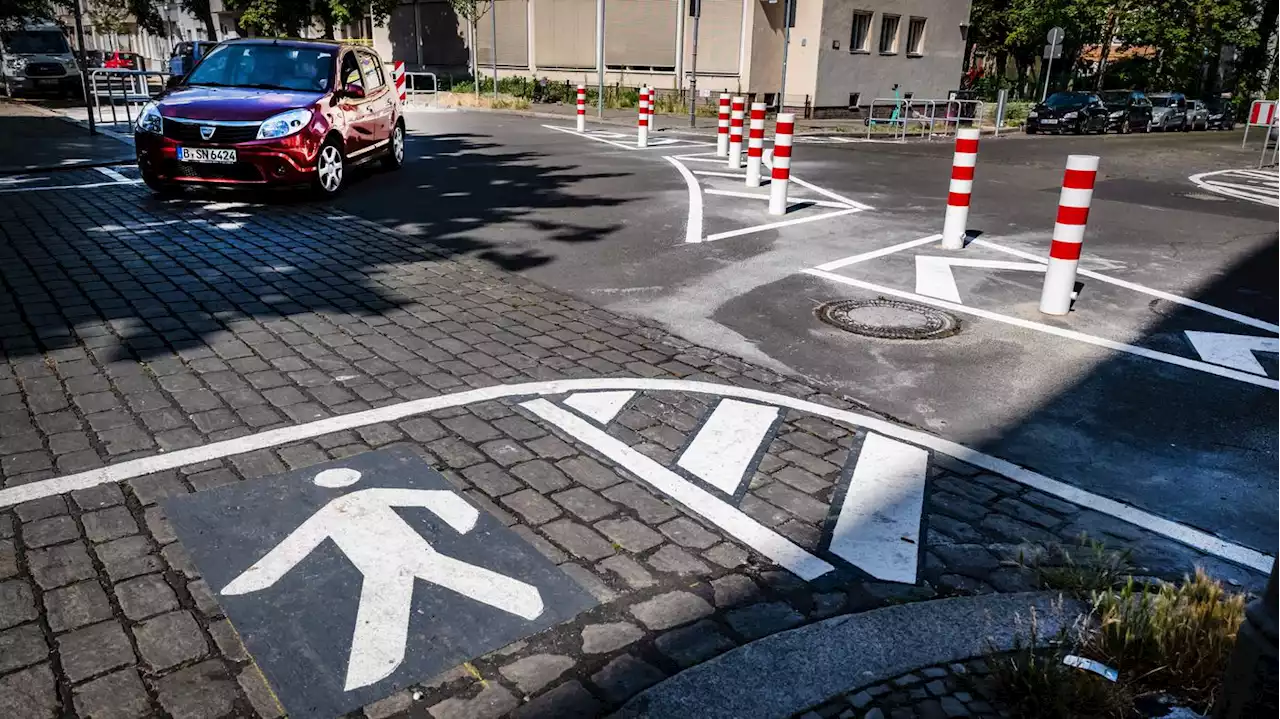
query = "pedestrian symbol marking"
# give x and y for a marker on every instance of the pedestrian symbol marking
(351, 580)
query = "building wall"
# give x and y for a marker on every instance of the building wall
(936, 71)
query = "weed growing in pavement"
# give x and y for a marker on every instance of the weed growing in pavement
(1079, 571)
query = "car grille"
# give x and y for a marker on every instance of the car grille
(45, 69)
(240, 171)
(222, 134)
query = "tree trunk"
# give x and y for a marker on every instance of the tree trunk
(210, 29)
(1108, 31)
(327, 21)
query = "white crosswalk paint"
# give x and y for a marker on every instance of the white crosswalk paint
(878, 529)
(722, 449)
(599, 406)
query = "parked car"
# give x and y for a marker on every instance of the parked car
(90, 59)
(1197, 115)
(1168, 111)
(1127, 111)
(1222, 113)
(185, 55)
(37, 58)
(272, 112)
(1077, 112)
(123, 60)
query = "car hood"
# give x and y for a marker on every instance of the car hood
(41, 56)
(232, 103)
(1046, 111)
(1161, 110)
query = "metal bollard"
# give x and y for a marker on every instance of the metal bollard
(722, 128)
(966, 157)
(735, 134)
(782, 131)
(1068, 234)
(642, 129)
(582, 108)
(653, 105)
(755, 144)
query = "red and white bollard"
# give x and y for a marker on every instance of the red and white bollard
(966, 158)
(582, 108)
(755, 144)
(642, 136)
(722, 128)
(397, 76)
(653, 106)
(735, 133)
(782, 131)
(1068, 234)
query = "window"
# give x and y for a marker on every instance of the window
(372, 71)
(350, 73)
(854, 97)
(889, 34)
(860, 40)
(915, 36)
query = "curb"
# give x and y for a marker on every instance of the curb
(788, 672)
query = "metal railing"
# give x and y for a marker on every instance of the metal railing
(927, 118)
(122, 90)
(415, 90)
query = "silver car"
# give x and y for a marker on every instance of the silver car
(1198, 116)
(1169, 111)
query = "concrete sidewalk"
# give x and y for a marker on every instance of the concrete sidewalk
(33, 138)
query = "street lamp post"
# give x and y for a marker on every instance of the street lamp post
(1250, 680)
(786, 45)
(84, 65)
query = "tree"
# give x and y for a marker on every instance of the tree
(289, 17)
(15, 12)
(108, 16)
(472, 11)
(202, 11)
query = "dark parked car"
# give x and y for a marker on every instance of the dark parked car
(272, 112)
(1222, 113)
(1127, 111)
(1077, 112)
(1169, 111)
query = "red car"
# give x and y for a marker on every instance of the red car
(122, 61)
(272, 112)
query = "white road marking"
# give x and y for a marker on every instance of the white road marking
(696, 158)
(723, 448)
(710, 173)
(854, 259)
(86, 186)
(130, 469)
(654, 142)
(792, 201)
(934, 277)
(1219, 182)
(729, 518)
(775, 225)
(112, 174)
(1060, 332)
(878, 529)
(599, 406)
(693, 224)
(1233, 350)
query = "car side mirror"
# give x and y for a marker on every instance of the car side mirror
(172, 81)
(353, 90)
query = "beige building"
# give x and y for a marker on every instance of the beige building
(843, 53)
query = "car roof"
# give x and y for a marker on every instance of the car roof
(294, 42)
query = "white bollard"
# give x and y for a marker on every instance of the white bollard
(956, 223)
(642, 129)
(1068, 234)
(782, 131)
(722, 128)
(735, 134)
(653, 107)
(755, 144)
(582, 108)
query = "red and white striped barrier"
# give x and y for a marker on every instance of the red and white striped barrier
(653, 105)
(735, 133)
(755, 144)
(642, 132)
(962, 165)
(722, 128)
(1068, 234)
(397, 76)
(582, 108)
(1262, 113)
(782, 131)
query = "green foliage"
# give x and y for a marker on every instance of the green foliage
(108, 15)
(288, 17)
(1086, 568)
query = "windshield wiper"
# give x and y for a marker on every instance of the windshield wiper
(267, 86)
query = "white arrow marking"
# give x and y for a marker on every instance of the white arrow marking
(1233, 350)
(600, 406)
(878, 529)
(935, 279)
(722, 449)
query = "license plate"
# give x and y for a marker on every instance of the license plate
(1048, 122)
(212, 155)
(46, 83)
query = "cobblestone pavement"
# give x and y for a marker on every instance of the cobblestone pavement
(946, 691)
(133, 328)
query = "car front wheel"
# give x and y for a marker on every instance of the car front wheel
(331, 170)
(395, 153)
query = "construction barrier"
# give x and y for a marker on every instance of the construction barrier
(962, 166)
(642, 129)
(722, 128)
(782, 132)
(755, 144)
(397, 76)
(653, 105)
(1262, 113)
(582, 108)
(1068, 234)
(735, 133)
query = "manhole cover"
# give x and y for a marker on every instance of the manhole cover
(889, 319)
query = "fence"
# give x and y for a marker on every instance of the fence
(927, 118)
(122, 90)
(415, 90)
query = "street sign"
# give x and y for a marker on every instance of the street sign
(350, 580)
(1052, 52)
(1055, 35)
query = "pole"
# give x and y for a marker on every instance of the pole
(786, 45)
(693, 69)
(473, 27)
(493, 27)
(1068, 234)
(600, 58)
(1048, 75)
(84, 70)
(1251, 671)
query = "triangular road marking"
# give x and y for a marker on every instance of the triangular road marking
(599, 406)
(1232, 350)
(935, 279)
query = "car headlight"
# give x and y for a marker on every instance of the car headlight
(70, 64)
(284, 124)
(15, 63)
(149, 119)
(1118, 113)
(1069, 116)
(1032, 115)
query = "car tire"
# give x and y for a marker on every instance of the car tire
(159, 187)
(395, 153)
(331, 170)
(1031, 131)
(1125, 129)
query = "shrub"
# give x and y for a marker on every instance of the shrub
(1090, 567)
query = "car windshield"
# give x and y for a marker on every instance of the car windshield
(1162, 100)
(269, 67)
(1116, 97)
(46, 42)
(1063, 100)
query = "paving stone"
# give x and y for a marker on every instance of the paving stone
(594, 585)
(688, 533)
(587, 471)
(492, 702)
(128, 557)
(972, 560)
(629, 534)
(1024, 512)
(152, 488)
(624, 677)
(145, 596)
(203, 691)
(532, 507)
(956, 506)
(675, 560)
(506, 452)
(169, 640)
(671, 610)
(578, 540)
(104, 495)
(605, 638)
(29, 694)
(228, 640)
(550, 447)
(648, 508)
(628, 570)
(17, 603)
(827, 604)
(22, 646)
(8, 559)
(60, 565)
(586, 504)
(733, 590)
(54, 530)
(176, 556)
(471, 428)
(693, 644)
(94, 650)
(727, 555)
(547, 549)
(203, 598)
(534, 672)
(77, 605)
(760, 620)
(41, 508)
(797, 503)
(1011, 530)
(260, 696)
(490, 479)
(115, 696)
(108, 524)
(568, 701)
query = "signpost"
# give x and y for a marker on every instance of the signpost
(695, 11)
(1052, 51)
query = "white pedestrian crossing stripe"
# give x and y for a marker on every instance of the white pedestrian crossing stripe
(1259, 186)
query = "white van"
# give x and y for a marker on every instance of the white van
(38, 58)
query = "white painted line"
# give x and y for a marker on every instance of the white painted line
(112, 174)
(829, 193)
(589, 136)
(934, 277)
(1233, 350)
(711, 173)
(793, 201)
(723, 448)
(1178, 299)
(878, 529)
(837, 264)
(695, 158)
(599, 406)
(654, 143)
(1058, 331)
(130, 469)
(774, 225)
(1264, 191)
(1205, 181)
(693, 225)
(1261, 175)
(86, 186)
(729, 518)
